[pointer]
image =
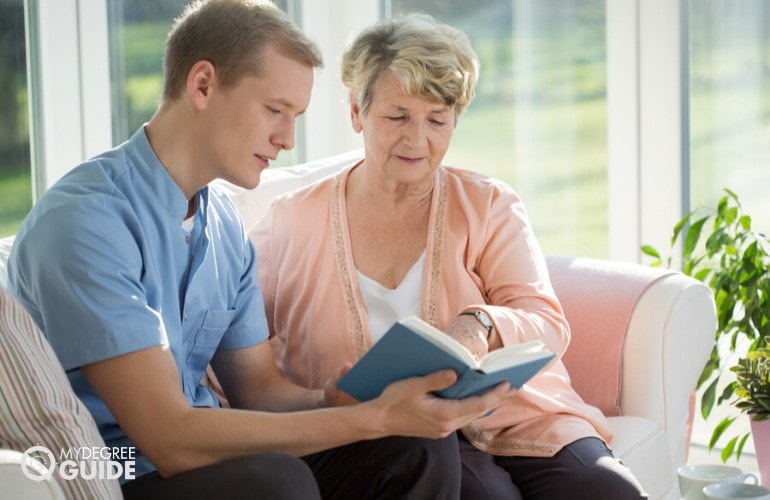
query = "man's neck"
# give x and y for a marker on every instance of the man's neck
(172, 135)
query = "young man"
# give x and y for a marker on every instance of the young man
(141, 275)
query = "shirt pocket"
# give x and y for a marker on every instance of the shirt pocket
(207, 339)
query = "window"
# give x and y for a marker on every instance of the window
(729, 121)
(15, 161)
(730, 104)
(539, 118)
(137, 32)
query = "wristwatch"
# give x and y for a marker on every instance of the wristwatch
(482, 318)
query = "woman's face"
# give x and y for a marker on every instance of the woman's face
(405, 136)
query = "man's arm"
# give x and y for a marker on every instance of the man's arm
(251, 381)
(143, 391)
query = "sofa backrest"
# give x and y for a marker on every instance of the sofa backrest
(253, 203)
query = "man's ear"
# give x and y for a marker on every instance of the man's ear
(355, 114)
(201, 81)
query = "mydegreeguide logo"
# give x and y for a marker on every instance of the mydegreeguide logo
(39, 463)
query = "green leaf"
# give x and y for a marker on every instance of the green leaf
(693, 235)
(650, 250)
(727, 451)
(708, 398)
(719, 430)
(741, 444)
(745, 222)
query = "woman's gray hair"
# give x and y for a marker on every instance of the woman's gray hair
(427, 57)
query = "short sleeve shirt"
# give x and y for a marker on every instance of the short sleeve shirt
(104, 267)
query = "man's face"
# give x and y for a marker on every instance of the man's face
(254, 120)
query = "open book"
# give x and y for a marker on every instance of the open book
(412, 347)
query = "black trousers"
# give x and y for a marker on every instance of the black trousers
(395, 467)
(585, 469)
(392, 468)
(259, 476)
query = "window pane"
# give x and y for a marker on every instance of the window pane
(138, 30)
(730, 126)
(539, 118)
(15, 162)
(730, 104)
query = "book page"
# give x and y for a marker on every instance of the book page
(441, 339)
(512, 355)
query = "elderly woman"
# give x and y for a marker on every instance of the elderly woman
(398, 234)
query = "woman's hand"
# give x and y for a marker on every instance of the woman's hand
(334, 396)
(469, 332)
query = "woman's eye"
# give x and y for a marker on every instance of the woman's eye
(395, 118)
(274, 111)
(438, 122)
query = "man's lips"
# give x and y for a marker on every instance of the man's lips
(263, 160)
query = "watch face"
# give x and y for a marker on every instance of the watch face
(484, 319)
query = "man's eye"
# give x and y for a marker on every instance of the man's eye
(274, 110)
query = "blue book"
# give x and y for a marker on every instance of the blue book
(412, 347)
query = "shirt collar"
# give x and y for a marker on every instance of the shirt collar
(160, 184)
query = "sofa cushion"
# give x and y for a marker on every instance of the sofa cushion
(37, 404)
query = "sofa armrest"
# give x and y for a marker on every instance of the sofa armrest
(14, 484)
(668, 341)
(640, 338)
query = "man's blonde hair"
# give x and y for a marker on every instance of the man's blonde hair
(427, 57)
(232, 35)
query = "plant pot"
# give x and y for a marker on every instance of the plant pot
(760, 433)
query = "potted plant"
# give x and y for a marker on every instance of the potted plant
(752, 390)
(720, 248)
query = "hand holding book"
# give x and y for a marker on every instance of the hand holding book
(412, 347)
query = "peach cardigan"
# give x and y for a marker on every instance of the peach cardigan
(480, 252)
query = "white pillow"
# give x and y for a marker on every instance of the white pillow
(253, 203)
(5, 251)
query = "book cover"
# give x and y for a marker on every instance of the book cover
(412, 348)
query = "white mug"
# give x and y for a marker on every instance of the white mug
(694, 478)
(732, 491)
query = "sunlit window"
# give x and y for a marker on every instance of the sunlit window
(730, 121)
(730, 104)
(539, 119)
(138, 30)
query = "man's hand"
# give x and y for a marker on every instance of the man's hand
(409, 408)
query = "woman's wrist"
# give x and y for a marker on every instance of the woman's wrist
(482, 318)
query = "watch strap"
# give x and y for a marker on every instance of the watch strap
(482, 317)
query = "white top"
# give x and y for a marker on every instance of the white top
(385, 306)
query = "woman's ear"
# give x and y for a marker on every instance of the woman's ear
(201, 81)
(355, 114)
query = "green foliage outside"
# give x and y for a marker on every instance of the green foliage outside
(15, 198)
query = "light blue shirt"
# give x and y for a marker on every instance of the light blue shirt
(105, 268)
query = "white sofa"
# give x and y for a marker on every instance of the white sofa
(640, 338)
